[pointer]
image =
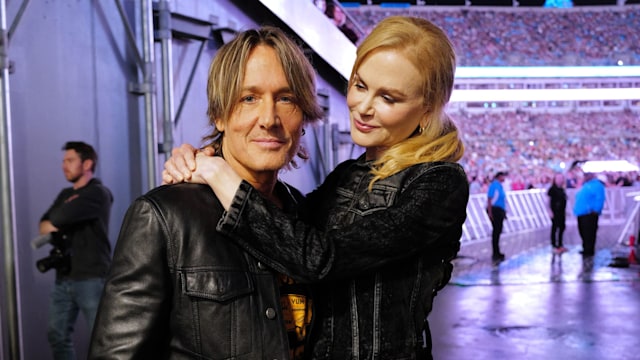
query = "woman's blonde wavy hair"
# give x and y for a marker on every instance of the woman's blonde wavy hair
(428, 48)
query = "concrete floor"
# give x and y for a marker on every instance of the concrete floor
(539, 305)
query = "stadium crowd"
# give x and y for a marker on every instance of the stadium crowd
(584, 36)
(532, 146)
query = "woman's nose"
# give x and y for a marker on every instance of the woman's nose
(364, 105)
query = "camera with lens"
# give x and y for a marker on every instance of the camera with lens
(59, 257)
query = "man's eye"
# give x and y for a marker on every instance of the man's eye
(287, 99)
(248, 98)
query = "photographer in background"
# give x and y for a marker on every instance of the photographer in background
(80, 215)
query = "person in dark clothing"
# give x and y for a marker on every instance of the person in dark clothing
(177, 288)
(497, 211)
(378, 236)
(557, 206)
(80, 217)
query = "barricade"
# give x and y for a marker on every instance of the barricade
(527, 210)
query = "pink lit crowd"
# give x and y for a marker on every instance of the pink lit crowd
(585, 36)
(533, 146)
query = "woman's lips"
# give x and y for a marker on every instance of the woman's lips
(362, 127)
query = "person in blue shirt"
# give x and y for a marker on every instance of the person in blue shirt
(587, 208)
(496, 209)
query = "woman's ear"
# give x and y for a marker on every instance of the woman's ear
(426, 115)
(424, 121)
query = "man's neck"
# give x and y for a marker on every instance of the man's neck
(266, 187)
(83, 181)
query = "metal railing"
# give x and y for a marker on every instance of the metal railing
(527, 210)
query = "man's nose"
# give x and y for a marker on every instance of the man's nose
(268, 114)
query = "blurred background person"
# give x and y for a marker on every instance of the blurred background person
(587, 208)
(497, 211)
(557, 206)
(80, 217)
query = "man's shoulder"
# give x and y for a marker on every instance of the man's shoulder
(182, 202)
(594, 184)
(95, 182)
(180, 194)
(95, 185)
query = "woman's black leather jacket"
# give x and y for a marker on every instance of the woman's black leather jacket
(377, 257)
(177, 289)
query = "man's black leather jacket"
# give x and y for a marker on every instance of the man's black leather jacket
(177, 289)
(377, 257)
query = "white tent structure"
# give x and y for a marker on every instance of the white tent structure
(609, 166)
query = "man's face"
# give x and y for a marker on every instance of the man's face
(72, 166)
(265, 126)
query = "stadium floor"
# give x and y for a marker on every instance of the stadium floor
(540, 305)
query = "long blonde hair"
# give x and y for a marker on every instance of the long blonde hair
(428, 48)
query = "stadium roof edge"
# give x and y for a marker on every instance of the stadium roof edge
(492, 72)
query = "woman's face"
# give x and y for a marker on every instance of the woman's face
(385, 102)
(264, 129)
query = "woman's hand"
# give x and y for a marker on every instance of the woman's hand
(188, 164)
(218, 174)
(182, 163)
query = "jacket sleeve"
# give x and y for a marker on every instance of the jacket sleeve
(133, 316)
(427, 218)
(84, 205)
